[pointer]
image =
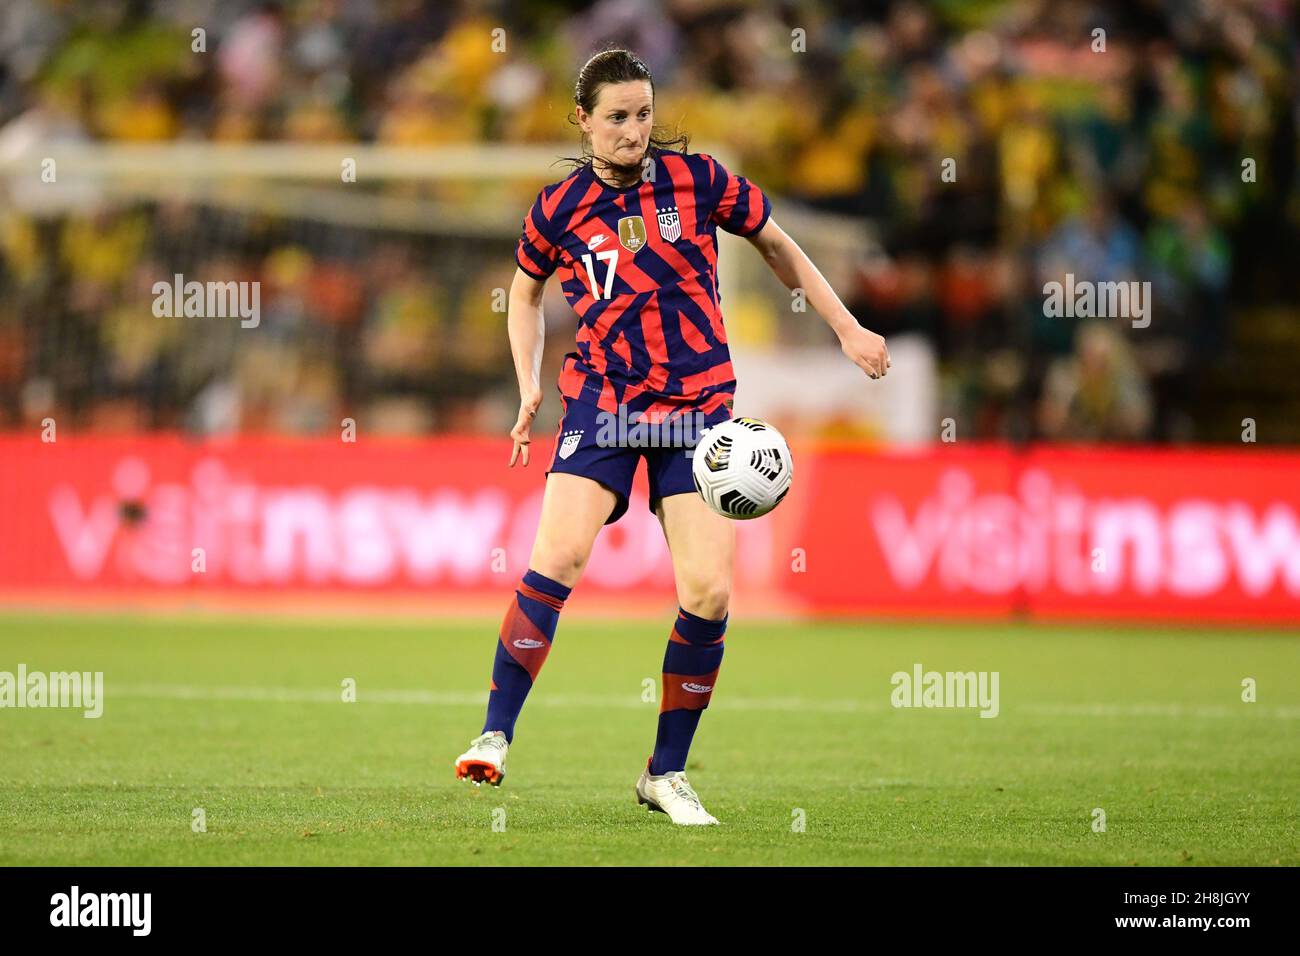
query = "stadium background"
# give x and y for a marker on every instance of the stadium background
(1012, 464)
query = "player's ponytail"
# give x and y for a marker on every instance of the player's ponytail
(616, 66)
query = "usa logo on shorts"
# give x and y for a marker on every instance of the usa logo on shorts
(569, 444)
(670, 224)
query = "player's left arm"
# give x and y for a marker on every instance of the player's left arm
(793, 267)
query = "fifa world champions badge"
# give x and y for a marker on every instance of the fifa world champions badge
(631, 232)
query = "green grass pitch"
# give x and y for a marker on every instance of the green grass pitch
(244, 719)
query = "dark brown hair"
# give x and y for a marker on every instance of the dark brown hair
(617, 66)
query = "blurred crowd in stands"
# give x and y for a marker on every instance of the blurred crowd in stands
(990, 146)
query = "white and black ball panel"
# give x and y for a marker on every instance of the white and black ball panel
(742, 468)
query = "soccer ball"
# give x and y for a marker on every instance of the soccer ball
(742, 468)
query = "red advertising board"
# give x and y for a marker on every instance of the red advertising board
(951, 530)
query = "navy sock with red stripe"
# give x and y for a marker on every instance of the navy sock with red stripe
(525, 640)
(691, 666)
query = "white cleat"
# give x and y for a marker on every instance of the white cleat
(672, 793)
(484, 760)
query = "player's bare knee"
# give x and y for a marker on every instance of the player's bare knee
(561, 564)
(708, 600)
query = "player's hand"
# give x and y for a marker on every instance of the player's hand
(528, 405)
(866, 350)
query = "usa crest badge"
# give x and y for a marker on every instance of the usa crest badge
(670, 224)
(569, 444)
(631, 232)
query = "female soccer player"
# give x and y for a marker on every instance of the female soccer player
(633, 235)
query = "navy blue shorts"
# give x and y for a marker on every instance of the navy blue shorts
(590, 443)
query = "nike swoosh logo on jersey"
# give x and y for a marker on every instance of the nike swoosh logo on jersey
(596, 240)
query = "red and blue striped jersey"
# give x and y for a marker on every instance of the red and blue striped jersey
(639, 266)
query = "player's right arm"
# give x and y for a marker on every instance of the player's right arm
(537, 255)
(527, 328)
